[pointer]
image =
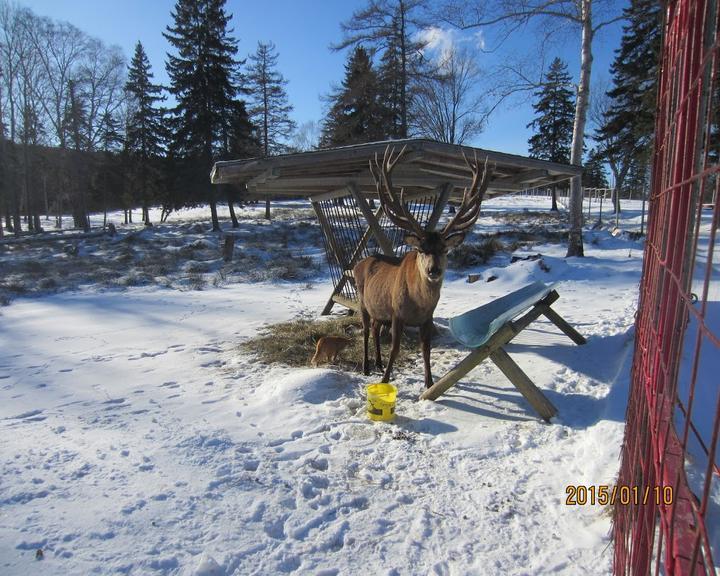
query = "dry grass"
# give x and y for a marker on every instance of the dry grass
(533, 216)
(475, 254)
(293, 343)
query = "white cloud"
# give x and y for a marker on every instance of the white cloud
(438, 41)
(479, 39)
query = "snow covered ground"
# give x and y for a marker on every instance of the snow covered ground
(137, 439)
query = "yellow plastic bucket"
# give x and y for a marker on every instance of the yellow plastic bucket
(381, 402)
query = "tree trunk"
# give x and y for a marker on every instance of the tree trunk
(58, 215)
(233, 217)
(213, 215)
(575, 243)
(554, 207)
(267, 209)
(213, 208)
(403, 75)
(17, 220)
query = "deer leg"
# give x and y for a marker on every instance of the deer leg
(377, 326)
(396, 332)
(366, 336)
(426, 331)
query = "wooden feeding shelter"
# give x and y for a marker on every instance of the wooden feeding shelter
(338, 183)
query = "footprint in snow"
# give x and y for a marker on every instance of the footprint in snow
(170, 384)
(147, 355)
(209, 349)
(26, 415)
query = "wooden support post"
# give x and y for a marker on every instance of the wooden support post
(228, 248)
(352, 304)
(383, 241)
(493, 349)
(364, 240)
(443, 192)
(331, 301)
(560, 322)
(502, 336)
(522, 382)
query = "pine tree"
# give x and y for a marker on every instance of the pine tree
(390, 82)
(74, 120)
(355, 114)
(111, 142)
(145, 127)
(269, 108)
(241, 141)
(555, 114)
(594, 175)
(628, 128)
(202, 79)
(391, 27)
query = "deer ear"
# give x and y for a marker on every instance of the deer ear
(412, 240)
(454, 240)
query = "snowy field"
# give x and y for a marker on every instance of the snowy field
(137, 438)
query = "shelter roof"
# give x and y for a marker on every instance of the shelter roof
(426, 165)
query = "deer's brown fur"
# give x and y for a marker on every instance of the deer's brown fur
(400, 291)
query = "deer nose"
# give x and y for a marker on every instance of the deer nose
(435, 272)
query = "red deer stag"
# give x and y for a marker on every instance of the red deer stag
(400, 291)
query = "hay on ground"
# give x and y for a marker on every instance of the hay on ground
(293, 343)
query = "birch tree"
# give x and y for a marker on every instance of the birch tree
(514, 15)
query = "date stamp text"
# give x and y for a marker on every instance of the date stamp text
(604, 494)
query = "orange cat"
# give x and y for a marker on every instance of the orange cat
(328, 348)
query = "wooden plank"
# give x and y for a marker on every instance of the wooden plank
(338, 161)
(363, 241)
(530, 176)
(444, 193)
(501, 337)
(360, 153)
(535, 312)
(522, 382)
(330, 303)
(382, 239)
(561, 323)
(453, 151)
(331, 195)
(352, 304)
(504, 335)
(321, 184)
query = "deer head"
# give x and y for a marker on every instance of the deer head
(432, 246)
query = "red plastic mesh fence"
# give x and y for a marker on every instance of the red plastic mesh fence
(667, 506)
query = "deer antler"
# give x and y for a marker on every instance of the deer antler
(469, 208)
(393, 205)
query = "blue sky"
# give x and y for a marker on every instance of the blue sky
(303, 30)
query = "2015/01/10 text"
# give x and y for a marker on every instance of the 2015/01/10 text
(603, 494)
